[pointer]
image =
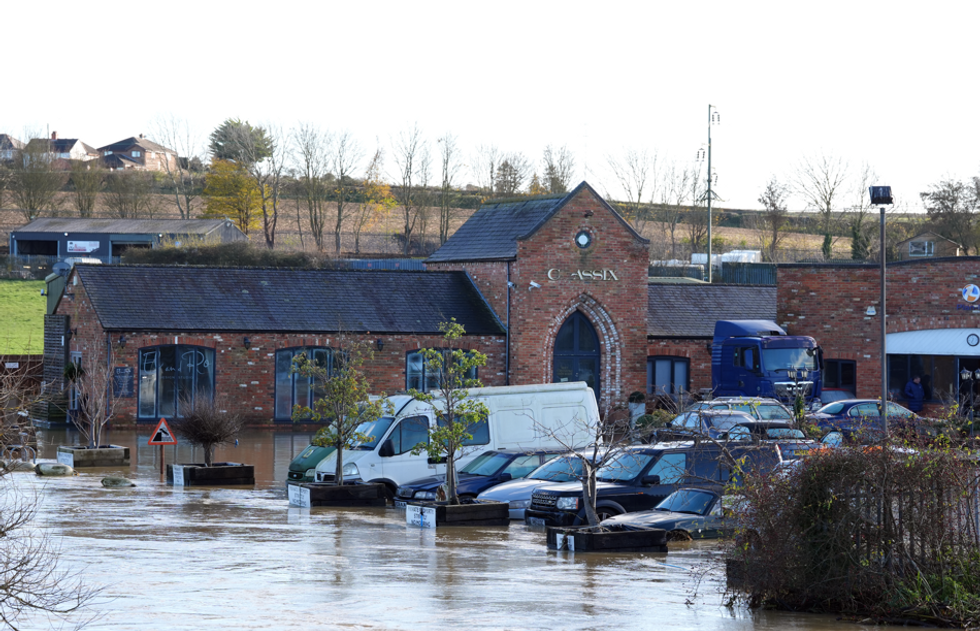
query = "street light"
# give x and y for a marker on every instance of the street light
(881, 196)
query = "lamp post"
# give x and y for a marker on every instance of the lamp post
(714, 118)
(970, 378)
(881, 196)
(798, 375)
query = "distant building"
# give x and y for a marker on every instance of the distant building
(108, 238)
(138, 153)
(9, 146)
(926, 245)
(62, 148)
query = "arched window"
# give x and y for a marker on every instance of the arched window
(577, 352)
(173, 376)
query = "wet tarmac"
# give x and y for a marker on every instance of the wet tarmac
(242, 558)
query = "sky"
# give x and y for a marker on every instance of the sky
(883, 83)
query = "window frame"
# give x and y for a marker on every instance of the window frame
(157, 413)
(928, 248)
(423, 378)
(294, 377)
(674, 361)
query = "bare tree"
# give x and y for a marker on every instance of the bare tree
(263, 155)
(635, 171)
(558, 166)
(35, 181)
(673, 188)
(411, 159)
(129, 194)
(513, 174)
(346, 155)
(486, 162)
(185, 172)
(87, 177)
(774, 216)
(378, 199)
(91, 381)
(449, 169)
(313, 158)
(821, 181)
(697, 214)
(203, 424)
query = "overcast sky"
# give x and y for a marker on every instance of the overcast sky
(890, 84)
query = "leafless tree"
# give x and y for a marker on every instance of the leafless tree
(486, 162)
(636, 172)
(774, 216)
(673, 189)
(821, 180)
(449, 169)
(87, 177)
(129, 194)
(513, 174)
(91, 381)
(203, 424)
(35, 181)
(697, 214)
(411, 160)
(378, 200)
(313, 152)
(185, 172)
(558, 166)
(264, 158)
(346, 156)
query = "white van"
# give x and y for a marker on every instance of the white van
(521, 417)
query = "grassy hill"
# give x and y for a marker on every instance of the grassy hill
(22, 316)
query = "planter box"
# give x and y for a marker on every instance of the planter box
(312, 494)
(434, 514)
(586, 539)
(78, 457)
(220, 474)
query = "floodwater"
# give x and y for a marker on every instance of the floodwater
(233, 558)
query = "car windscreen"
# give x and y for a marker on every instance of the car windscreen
(724, 422)
(785, 433)
(687, 501)
(783, 358)
(374, 430)
(558, 470)
(487, 464)
(623, 467)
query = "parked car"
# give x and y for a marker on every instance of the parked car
(517, 493)
(639, 477)
(762, 408)
(486, 470)
(860, 419)
(711, 423)
(690, 513)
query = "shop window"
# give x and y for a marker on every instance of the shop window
(939, 376)
(840, 374)
(293, 389)
(419, 376)
(172, 377)
(921, 248)
(668, 375)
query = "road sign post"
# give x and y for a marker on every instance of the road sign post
(162, 436)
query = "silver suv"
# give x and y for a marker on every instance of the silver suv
(761, 408)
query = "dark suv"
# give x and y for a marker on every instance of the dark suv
(641, 476)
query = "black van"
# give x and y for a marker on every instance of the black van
(639, 477)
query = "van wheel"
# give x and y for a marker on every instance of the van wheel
(389, 495)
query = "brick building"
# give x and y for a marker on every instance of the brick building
(137, 152)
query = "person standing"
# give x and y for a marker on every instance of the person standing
(914, 393)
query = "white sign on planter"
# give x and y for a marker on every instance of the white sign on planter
(298, 495)
(565, 542)
(421, 516)
(178, 474)
(66, 458)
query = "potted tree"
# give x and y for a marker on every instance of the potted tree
(455, 414)
(90, 384)
(202, 424)
(344, 402)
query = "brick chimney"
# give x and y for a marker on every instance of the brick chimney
(54, 135)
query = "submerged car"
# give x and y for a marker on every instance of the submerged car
(517, 493)
(486, 470)
(685, 514)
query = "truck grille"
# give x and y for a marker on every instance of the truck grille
(543, 502)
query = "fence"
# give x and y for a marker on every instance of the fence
(748, 273)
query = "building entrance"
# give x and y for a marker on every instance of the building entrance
(577, 352)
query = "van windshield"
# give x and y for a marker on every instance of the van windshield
(375, 431)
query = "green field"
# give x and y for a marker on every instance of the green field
(22, 317)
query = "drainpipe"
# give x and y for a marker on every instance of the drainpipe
(507, 349)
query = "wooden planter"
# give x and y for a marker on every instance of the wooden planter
(78, 457)
(312, 494)
(587, 539)
(435, 514)
(219, 474)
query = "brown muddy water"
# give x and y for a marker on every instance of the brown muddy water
(242, 558)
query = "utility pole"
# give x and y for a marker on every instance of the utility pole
(713, 118)
(881, 196)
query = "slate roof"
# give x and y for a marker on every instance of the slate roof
(135, 141)
(63, 145)
(492, 232)
(123, 226)
(685, 310)
(138, 298)
(8, 143)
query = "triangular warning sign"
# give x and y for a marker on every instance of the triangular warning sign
(162, 435)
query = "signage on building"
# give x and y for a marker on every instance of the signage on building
(122, 381)
(82, 247)
(971, 294)
(583, 274)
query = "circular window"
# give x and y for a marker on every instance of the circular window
(583, 239)
(973, 339)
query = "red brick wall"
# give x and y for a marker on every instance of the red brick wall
(490, 278)
(829, 303)
(245, 379)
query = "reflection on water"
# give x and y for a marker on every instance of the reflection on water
(232, 558)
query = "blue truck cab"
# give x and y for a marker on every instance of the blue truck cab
(755, 358)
